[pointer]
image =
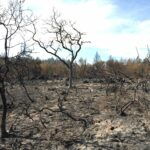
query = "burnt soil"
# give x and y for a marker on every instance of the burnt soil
(83, 118)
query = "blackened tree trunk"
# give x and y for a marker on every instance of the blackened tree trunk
(70, 75)
(4, 113)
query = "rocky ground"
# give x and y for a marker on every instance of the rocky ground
(83, 118)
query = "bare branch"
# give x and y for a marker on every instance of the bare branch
(62, 36)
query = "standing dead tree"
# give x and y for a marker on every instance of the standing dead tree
(13, 20)
(62, 37)
(148, 54)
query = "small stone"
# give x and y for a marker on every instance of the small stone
(112, 128)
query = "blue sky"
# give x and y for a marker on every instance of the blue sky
(135, 9)
(114, 27)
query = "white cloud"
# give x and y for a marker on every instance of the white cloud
(104, 28)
